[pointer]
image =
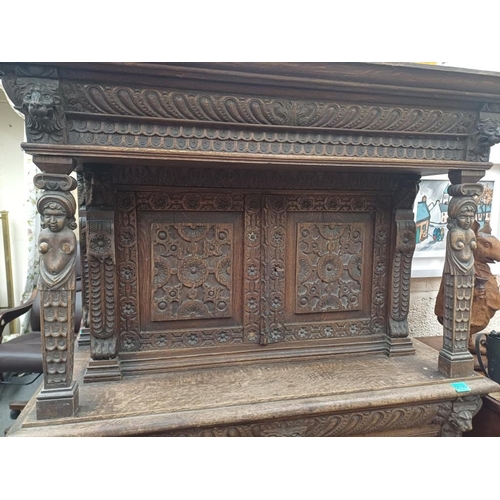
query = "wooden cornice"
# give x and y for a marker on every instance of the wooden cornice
(384, 80)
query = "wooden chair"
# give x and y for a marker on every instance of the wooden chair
(23, 354)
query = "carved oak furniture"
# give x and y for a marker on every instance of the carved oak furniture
(235, 216)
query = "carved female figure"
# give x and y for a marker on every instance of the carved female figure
(461, 237)
(57, 242)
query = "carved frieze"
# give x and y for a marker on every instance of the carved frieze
(238, 109)
(251, 179)
(199, 202)
(346, 424)
(249, 141)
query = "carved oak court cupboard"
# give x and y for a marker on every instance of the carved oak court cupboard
(246, 235)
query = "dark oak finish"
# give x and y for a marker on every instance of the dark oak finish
(236, 214)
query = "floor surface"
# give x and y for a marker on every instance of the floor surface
(9, 393)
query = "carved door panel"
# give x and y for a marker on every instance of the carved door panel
(197, 256)
(324, 270)
(211, 270)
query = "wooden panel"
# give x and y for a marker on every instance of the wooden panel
(191, 276)
(329, 261)
(191, 262)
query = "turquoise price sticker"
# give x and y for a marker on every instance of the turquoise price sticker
(460, 386)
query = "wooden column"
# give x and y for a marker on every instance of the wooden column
(104, 363)
(84, 336)
(455, 360)
(58, 247)
(398, 341)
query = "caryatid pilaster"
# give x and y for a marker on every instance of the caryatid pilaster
(455, 359)
(57, 244)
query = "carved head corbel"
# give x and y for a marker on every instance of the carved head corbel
(57, 211)
(41, 106)
(35, 92)
(489, 132)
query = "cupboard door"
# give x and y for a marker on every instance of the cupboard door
(324, 269)
(181, 277)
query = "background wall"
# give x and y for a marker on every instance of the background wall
(13, 196)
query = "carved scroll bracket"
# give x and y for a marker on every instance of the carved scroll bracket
(100, 243)
(58, 247)
(401, 268)
(458, 276)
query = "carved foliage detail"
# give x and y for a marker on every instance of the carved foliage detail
(192, 271)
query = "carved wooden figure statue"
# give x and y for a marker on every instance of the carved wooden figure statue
(458, 277)
(58, 248)
(57, 241)
(486, 297)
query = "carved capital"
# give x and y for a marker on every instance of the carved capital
(54, 182)
(35, 92)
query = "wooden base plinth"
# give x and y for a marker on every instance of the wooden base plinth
(57, 403)
(84, 337)
(102, 370)
(371, 395)
(455, 365)
(399, 346)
